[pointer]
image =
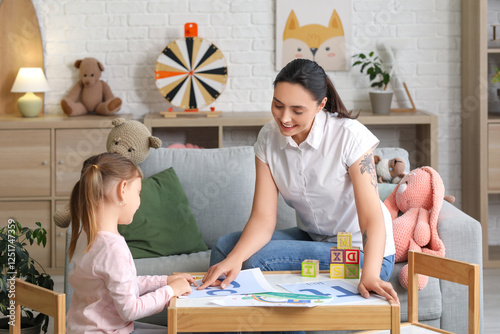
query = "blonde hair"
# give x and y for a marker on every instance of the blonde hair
(99, 172)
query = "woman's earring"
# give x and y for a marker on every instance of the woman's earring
(123, 203)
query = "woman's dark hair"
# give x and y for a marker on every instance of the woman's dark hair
(313, 78)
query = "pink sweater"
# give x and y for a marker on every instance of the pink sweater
(107, 293)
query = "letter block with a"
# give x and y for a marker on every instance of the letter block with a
(352, 271)
(351, 256)
(336, 255)
(344, 240)
(310, 268)
(337, 270)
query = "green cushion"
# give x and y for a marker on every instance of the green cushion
(164, 223)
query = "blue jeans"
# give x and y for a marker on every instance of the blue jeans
(286, 251)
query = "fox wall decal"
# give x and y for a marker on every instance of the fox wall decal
(323, 44)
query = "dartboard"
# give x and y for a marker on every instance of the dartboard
(191, 73)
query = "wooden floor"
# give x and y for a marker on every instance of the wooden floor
(491, 279)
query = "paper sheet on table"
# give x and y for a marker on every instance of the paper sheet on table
(341, 291)
(248, 281)
(272, 299)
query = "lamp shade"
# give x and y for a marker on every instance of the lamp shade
(30, 79)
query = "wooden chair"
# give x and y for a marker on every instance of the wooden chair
(445, 269)
(42, 300)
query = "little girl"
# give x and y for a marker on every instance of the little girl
(107, 293)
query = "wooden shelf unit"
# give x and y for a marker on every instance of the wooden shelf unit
(480, 127)
(41, 161)
(425, 123)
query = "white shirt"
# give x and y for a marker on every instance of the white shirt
(313, 177)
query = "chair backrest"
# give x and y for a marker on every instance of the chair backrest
(445, 269)
(42, 300)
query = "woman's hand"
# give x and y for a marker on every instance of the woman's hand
(226, 267)
(380, 287)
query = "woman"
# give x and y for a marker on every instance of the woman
(321, 161)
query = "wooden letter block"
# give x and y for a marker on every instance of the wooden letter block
(352, 271)
(337, 270)
(336, 255)
(310, 268)
(344, 240)
(351, 256)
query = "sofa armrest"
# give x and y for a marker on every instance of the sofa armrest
(462, 237)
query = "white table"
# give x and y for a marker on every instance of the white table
(200, 315)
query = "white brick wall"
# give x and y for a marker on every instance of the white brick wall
(128, 36)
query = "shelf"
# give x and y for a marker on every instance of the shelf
(493, 256)
(425, 123)
(493, 118)
(480, 129)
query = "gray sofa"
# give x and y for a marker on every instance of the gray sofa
(219, 184)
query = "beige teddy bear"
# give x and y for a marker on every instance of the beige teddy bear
(128, 138)
(131, 139)
(90, 94)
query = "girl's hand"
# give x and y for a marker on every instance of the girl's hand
(226, 267)
(181, 286)
(378, 286)
(188, 277)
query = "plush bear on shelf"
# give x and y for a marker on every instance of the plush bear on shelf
(90, 94)
(128, 138)
(389, 170)
(419, 196)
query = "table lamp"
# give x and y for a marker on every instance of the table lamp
(30, 80)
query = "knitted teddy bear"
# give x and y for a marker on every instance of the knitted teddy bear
(389, 170)
(90, 94)
(131, 139)
(128, 138)
(419, 196)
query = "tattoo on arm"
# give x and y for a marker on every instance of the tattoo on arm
(367, 166)
(365, 238)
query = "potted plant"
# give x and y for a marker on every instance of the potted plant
(372, 66)
(16, 262)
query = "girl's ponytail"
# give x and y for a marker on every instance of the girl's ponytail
(85, 198)
(75, 218)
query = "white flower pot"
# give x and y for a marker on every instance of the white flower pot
(381, 101)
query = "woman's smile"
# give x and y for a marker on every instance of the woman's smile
(294, 110)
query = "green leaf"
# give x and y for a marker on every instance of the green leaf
(363, 67)
(387, 78)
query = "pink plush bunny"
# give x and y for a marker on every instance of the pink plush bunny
(419, 196)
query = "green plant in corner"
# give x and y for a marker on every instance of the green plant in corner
(373, 66)
(16, 262)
